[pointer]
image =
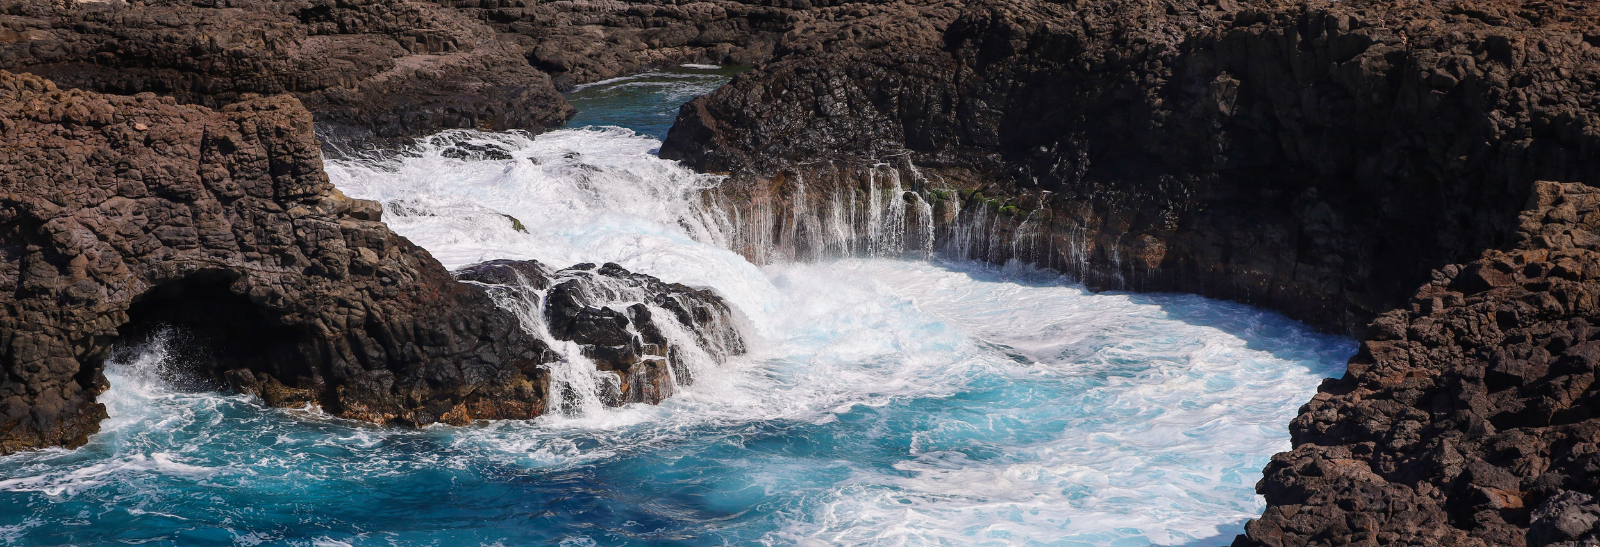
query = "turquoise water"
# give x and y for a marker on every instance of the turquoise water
(885, 402)
(648, 102)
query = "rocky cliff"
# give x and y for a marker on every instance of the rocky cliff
(1318, 158)
(1471, 416)
(124, 217)
(380, 71)
(585, 42)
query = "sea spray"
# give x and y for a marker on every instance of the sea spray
(885, 402)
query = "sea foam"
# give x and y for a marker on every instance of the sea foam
(884, 402)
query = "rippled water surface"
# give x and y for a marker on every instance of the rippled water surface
(885, 402)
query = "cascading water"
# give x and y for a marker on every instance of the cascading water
(883, 401)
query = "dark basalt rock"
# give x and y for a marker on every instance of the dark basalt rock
(1470, 417)
(126, 214)
(369, 70)
(122, 218)
(582, 306)
(608, 311)
(1318, 158)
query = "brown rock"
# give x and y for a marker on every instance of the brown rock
(368, 70)
(1320, 158)
(222, 225)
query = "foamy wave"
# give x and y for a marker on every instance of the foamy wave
(883, 403)
(72, 481)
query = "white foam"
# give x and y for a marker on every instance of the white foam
(1002, 406)
(583, 195)
(1170, 422)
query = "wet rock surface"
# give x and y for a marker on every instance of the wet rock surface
(650, 334)
(123, 218)
(1317, 158)
(1470, 417)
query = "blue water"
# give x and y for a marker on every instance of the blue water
(648, 102)
(885, 402)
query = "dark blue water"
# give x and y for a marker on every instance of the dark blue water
(885, 402)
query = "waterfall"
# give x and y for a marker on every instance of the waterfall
(839, 213)
(578, 386)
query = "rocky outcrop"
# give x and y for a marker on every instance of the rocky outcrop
(1319, 158)
(585, 42)
(369, 70)
(652, 336)
(1471, 416)
(125, 217)
(381, 71)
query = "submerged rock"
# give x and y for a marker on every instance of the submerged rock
(122, 218)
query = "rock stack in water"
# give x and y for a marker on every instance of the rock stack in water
(121, 217)
(649, 334)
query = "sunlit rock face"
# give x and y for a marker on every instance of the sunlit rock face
(128, 217)
(1469, 417)
(370, 70)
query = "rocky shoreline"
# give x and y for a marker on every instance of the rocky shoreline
(125, 216)
(378, 72)
(1321, 158)
(1469, 417)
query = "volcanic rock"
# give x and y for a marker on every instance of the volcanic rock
(124, 220)
(1319, 158)
(585, 42)
(369, 70)
(1471, 416)
(648, 333)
